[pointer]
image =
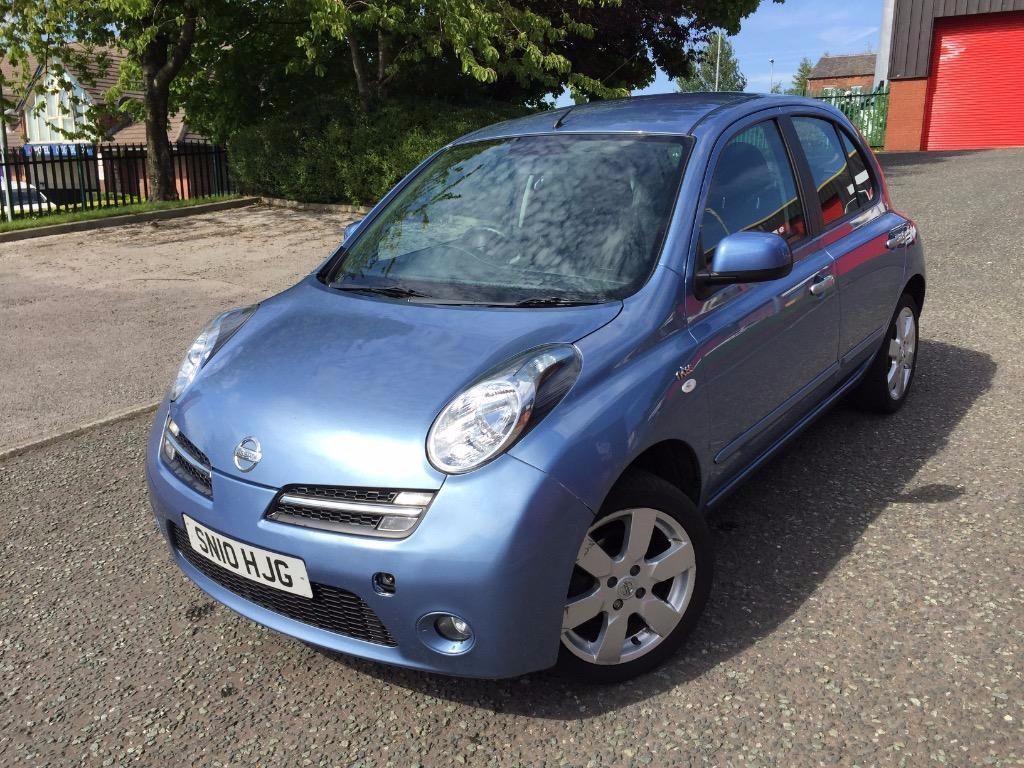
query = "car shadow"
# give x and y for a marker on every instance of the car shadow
(778, 538)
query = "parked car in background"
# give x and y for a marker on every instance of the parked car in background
(483, 437)
(25, 199)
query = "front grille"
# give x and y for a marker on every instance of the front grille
(191, 447)
(335, 610)
(187, 462)
(368, 495)
(361, 511)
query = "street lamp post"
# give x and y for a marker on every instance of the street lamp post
(718, 60)
(771, 77)
(8, 199)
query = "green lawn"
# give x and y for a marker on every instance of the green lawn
(30, 222)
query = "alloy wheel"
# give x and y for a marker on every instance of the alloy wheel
(902, 350)
(633, 580)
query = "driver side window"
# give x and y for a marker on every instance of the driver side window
(753, 189)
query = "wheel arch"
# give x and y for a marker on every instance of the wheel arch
(916, 288)
(675, 462)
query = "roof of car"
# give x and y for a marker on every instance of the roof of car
(676, 113)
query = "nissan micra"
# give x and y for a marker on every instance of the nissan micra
(483, 437)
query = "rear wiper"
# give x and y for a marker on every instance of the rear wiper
(392, 291)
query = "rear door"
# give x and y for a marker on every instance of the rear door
(767, 349)
(855, 230)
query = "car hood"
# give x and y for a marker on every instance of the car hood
(341, 389)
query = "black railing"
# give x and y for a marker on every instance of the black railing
(60, 178)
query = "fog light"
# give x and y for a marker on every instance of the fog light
(384, 583)
(453, 628)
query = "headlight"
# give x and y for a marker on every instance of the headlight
(493, 413)
(212, 338)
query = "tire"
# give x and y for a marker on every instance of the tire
(877, 392)
(678, 539)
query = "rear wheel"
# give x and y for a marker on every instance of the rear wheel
(640, 582)
(887, 382)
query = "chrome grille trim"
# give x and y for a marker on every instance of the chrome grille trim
(184, 454)
(351, 506)
(316, 509)
(188, 463)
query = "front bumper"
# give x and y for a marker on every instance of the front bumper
(496, 548)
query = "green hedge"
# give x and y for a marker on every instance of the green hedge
(355, 158)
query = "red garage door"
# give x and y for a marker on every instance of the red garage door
(976, 96)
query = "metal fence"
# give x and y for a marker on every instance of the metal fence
(46, 179)
(867, 111)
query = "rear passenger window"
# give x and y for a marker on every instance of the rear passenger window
(753, 189)
(863, 183)
(829, 167)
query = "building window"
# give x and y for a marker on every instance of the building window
(53, 115)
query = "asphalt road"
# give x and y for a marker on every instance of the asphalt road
(97, 322)
(868, 608)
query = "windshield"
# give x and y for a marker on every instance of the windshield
(529, 220)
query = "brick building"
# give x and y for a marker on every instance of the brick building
(956, 72)
(854, 73)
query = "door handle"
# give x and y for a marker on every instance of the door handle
(903, 235)
(820, 287)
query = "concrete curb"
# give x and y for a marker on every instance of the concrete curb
(131, 218)
(138, 410)
(295, 205)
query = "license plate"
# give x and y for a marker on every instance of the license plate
(260, 565)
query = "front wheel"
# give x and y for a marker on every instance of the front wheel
(641, 580)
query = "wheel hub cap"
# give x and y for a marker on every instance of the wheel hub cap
(629, 601)
(902, 351)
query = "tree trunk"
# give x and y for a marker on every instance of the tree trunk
(359, 68)
(161, 61)
(159, 161)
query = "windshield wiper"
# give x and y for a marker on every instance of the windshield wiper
(550, 301)
(392, 291)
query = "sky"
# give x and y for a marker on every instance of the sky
(789, 31)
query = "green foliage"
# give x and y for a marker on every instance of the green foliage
(803, 71)
(703, 77)
(104, 212)
(356, 157)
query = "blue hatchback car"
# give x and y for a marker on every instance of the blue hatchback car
(483, 437)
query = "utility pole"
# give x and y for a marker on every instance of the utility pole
(718, 60)
(8, 201)
(771, 77)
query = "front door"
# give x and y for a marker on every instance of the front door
(767, 349)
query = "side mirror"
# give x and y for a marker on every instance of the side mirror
(351, 229)
(747, 257)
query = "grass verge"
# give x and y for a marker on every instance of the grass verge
(30, 222)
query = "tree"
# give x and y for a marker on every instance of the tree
(803, 71)
(596, 48)
(716, 69)
(156, 35)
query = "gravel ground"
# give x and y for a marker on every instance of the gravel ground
(868, 608)
(128, 301)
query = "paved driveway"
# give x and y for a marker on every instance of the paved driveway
(868, 608)
(95, 323)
